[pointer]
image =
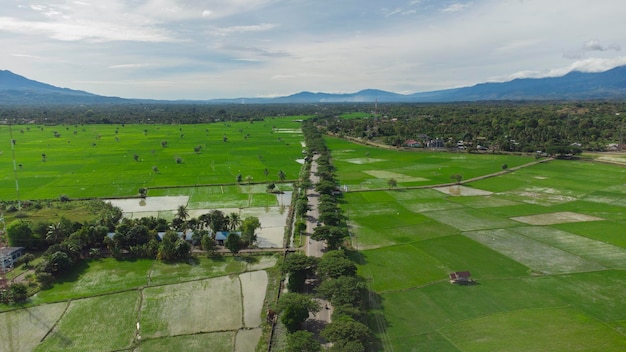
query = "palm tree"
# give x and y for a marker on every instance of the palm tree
(55, 233)
(182, 213)
(281, 175)
(234, 220)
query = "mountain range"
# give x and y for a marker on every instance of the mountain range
(611, 84)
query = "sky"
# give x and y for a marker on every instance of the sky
(208, 49)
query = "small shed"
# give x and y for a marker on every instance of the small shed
(460, 277)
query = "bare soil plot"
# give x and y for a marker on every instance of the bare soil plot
(253, 287)
(536, 255)
(459, 190)
(198, 306)
(21, 330)
(555, 218)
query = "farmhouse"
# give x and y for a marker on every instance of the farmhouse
(8, 256)
(221, 236)
(460, 277)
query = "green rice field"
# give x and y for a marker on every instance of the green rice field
(544, 244)
(117, 160)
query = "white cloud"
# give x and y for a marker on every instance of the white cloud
(242, 29)
(456, 7)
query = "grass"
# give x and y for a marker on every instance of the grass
(116, 160)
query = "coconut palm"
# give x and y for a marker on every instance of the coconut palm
(182, 213)
(234, 220)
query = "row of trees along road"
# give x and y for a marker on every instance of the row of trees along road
(334, 274)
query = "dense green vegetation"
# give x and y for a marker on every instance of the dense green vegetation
(498, 126)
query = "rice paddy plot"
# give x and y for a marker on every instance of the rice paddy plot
(415, 194)
(460, 253)
(247, 339)
(609, 232)
(480, 202)
(171, 273)
(94, 324)
(555, 218)
(431, 205)
(597, 251)
(98, 276)
(199, 306)
(216, 341)
(253, 293)
(538, 256)
(561, 329)
(467, 219)
(401, 178)
(21, 330)
(400, 267)
(541, 196)
(149, 204)
(417, 313)
(462, 191)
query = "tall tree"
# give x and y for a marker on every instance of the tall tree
(248, 228)
(281, 175)
(233, 243)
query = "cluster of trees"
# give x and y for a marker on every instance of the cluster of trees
(335, 281)
(501, 126)
(66, 243)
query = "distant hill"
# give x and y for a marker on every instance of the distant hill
(611, 84)
(19, 90)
